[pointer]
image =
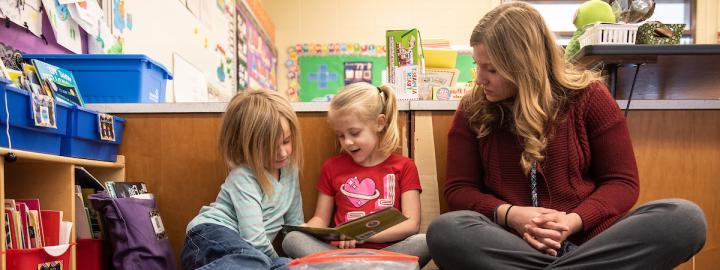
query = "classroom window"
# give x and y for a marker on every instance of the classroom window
(559, 16)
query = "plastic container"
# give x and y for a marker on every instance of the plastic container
(83, 136)
(92, 254)
(113, 78)
(24, 135)
(355, 259)
(609, 33)
(36, 258)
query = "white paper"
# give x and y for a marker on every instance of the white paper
(35, 4)
(189, 83)
(104, 42)
(67, 32)
(65, 229)
(88, 17)
(33, 18)
(10, 10)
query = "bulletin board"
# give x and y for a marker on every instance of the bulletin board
(256, 57)
(322, 76)
(200, 32)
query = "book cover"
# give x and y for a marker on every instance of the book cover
(31, 82)
(34, 229)
(23, 222)
(127, 189)
(358, 229)
(51, 226)
(18, 236)
(82, 220)
(9, 240)
(405, 62)
(9, 204)
(3, 71)
(58, 81)
(34, 205)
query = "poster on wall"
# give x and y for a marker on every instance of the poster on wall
(261, 62)
(189, 83)
(67, 32)
(323, 75)
(121, 19)
(25, 13)
(241, 55)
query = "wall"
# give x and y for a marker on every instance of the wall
(707, 22)
(161, 28)
(325, 21)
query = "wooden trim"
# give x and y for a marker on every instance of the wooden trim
(26, 156)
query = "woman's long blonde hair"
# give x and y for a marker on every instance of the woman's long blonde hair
(523, 50)
(368, 102)
(251, 129)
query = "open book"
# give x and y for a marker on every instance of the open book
(358, 229)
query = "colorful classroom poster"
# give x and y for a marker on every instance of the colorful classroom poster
(66, 31)
(323, 76)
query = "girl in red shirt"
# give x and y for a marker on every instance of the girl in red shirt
(366, 177)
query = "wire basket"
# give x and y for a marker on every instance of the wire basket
(609, 33)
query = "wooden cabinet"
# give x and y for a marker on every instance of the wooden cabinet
(52, 180)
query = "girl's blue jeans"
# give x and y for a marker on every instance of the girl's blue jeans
(211, 246)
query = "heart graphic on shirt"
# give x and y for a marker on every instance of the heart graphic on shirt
(359, 192)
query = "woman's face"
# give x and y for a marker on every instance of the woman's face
(496, 87)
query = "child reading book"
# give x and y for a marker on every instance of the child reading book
(367, 177)
(260, 141)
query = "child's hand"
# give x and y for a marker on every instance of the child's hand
(349, 244)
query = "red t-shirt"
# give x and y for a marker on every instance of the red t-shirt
(359, 190)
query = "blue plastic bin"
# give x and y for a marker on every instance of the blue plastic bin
(83, 136)
(113, 78)
(24, 135)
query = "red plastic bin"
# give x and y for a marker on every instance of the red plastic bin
(92, 254)
(35, 258)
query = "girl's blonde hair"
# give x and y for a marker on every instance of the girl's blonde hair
(523, 50)
(251, 129)
(368, 102)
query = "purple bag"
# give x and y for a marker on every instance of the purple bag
(137, 236)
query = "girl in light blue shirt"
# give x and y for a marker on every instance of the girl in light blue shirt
(260, 140)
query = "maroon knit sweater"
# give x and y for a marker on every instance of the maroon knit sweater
(589, 165)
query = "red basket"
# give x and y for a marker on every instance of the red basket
(36, 258)
(92, 254)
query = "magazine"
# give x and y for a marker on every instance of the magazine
(358, 229)
(60, 81)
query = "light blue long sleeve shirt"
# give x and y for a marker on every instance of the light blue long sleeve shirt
(242, 206)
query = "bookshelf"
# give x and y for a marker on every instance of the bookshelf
(51, 179)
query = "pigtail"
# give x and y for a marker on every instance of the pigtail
(390, 136)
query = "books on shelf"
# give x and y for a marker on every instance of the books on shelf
(127, 190)
(359, 229)
(28, 226)
(59, 81)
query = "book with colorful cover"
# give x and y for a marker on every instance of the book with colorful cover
(358, 229)
(30, 81)
(60, 81)
(34, 205)
(125, 189)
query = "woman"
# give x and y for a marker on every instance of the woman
(540, 159)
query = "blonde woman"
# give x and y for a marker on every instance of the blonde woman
(541, 163)
(260, 141)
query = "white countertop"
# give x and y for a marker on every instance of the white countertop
(218, 107)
